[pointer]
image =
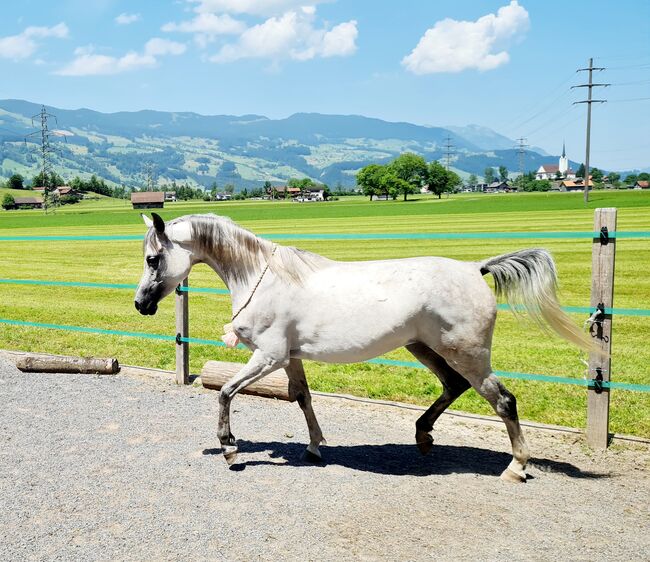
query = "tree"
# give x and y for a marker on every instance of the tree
(441, 180)
(643, 176)
(8, 201)
(15, 182)
(49, 180)
(412, 169)
(392, 185)
(503, 173)
(229, 188)
(488, 174)
(614, 179)
(268, 188)
(596, 175)
(472, 180)
(454, 181)
(581, 171)
(369, 179)
(631, 179)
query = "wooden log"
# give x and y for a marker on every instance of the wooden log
(36, 363)
(217, 373)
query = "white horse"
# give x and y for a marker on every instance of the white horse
(289, 305)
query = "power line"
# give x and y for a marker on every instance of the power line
(516, 123)
(642, 65)
(551, 120)
(589, 85)
(628, 99)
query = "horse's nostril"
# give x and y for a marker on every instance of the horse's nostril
(137, 305)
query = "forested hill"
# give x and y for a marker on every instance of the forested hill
(245, 150)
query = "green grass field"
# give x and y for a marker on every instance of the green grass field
(517, 347)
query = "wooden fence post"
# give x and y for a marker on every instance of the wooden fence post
(182, 331)
(602, 296)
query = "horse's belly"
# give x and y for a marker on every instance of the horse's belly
(348, 347)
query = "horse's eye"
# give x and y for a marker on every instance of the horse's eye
(152, 261)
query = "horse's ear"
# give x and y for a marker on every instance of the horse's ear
(158, 223)
(147, 221)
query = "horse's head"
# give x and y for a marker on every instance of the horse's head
(167, 261)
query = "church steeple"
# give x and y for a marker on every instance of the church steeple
(564, 161)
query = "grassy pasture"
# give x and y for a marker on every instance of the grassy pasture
(517, 347)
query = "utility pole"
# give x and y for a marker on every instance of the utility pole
(589, 85)
(45, 153)
(521, 152)
(448, 151)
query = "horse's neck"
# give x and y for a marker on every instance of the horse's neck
(237, 264)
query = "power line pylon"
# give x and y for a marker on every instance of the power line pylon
(589, 85)
(149, 176)
(448, 151)
(45, 154)
(521, 153)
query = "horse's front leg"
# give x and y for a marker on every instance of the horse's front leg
(260, 364)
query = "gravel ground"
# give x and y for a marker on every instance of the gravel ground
(128, 468)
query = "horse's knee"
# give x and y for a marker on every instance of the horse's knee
(226, 393)
(507, 405)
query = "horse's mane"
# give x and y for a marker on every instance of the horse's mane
(238, 250)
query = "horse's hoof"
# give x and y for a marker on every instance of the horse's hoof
(424, 442)
(230, 454)
(509, 475)
(312, 458)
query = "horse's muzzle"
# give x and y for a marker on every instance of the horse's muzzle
(146, 309)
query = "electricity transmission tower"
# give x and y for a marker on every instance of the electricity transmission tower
(149, 176)
(448, 151)
(521, 153)
(589, 85)
(45, 153)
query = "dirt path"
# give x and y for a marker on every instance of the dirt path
(129, 468)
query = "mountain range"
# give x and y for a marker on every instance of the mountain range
(245, 150)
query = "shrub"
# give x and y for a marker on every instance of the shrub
(8, 201)
(69, 199)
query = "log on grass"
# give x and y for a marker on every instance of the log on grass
(36, 363)
(217, 373)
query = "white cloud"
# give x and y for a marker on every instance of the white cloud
(157, 47)
(24, 45)
(341, 40)
(207, 27)
(252, 7)
(87, 63)
(292, 36)
(126, 19)
(454, 46)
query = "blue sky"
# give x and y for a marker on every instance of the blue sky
(501, 64)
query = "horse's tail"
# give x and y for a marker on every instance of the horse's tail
(527, 280)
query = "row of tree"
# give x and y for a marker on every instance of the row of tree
(406, 174)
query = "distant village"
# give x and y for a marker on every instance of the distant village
(407, 174)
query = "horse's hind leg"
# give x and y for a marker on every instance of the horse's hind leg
(453, 385)
(476, 369)
(299, 390)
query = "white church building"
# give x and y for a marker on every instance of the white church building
(550, 171)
